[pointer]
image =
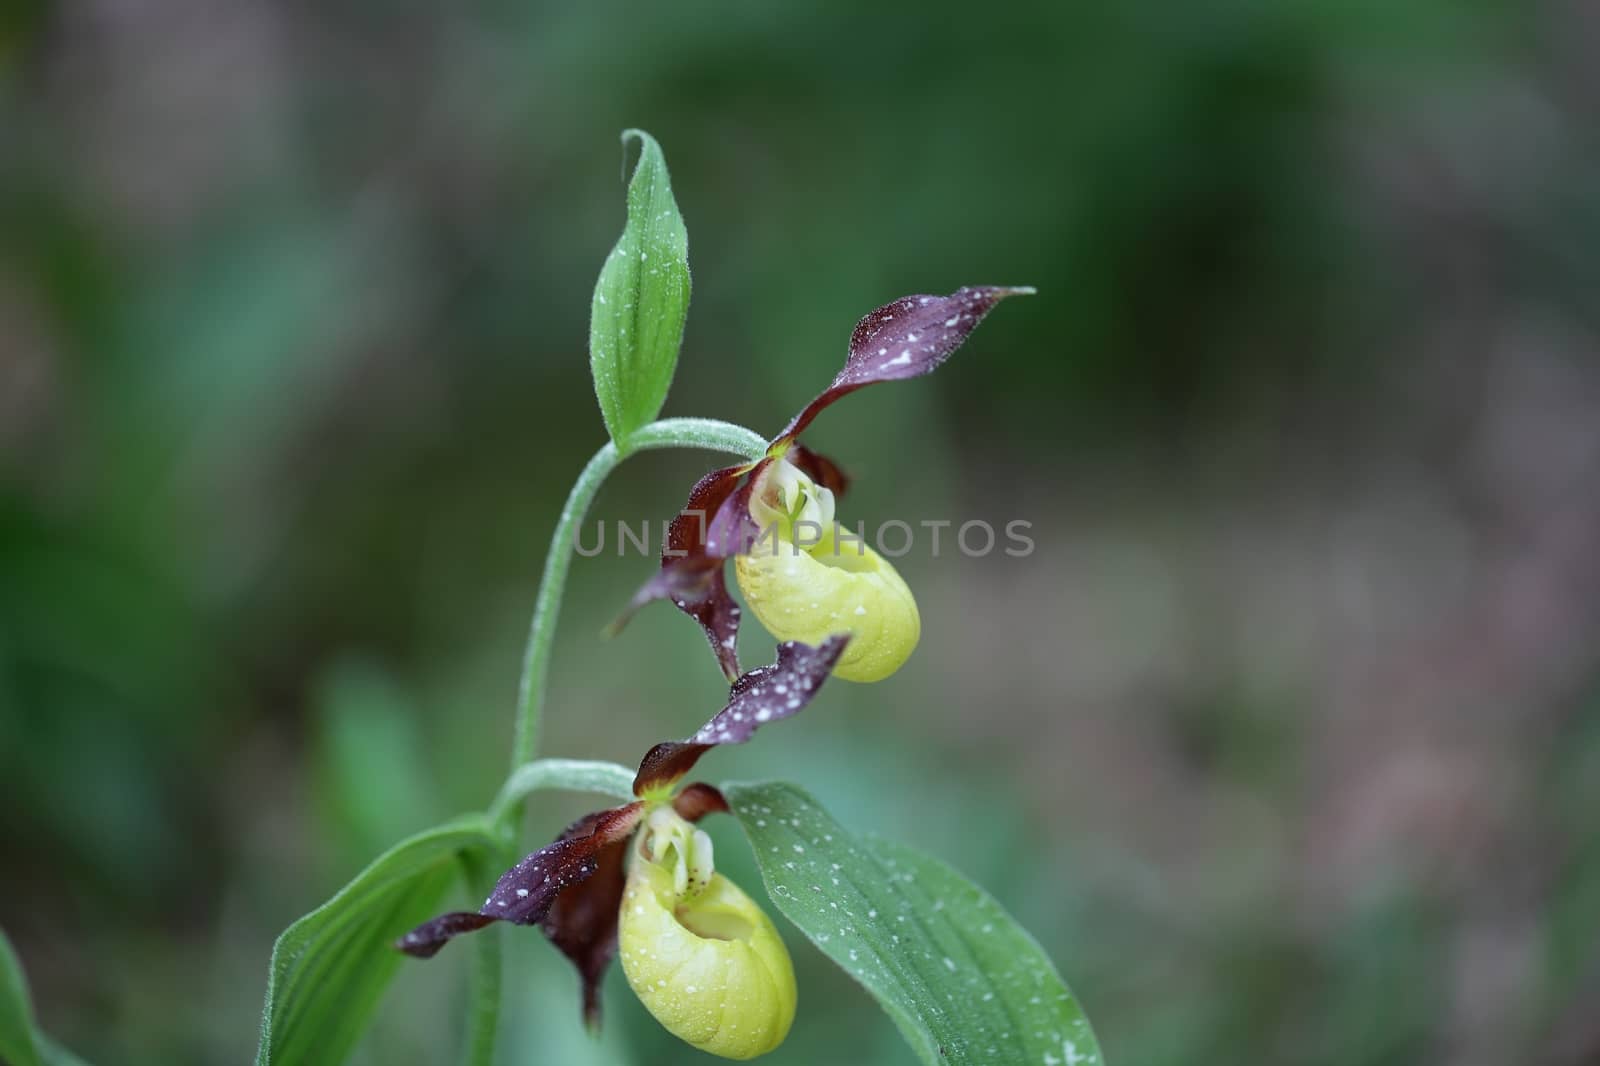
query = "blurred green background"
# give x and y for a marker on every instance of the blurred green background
(1286, 740)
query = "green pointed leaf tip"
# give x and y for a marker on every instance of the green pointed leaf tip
(962, 980)
(329, 968)
(19, 1044)
(640, 301)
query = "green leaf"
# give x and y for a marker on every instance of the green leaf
(963, 981)
(329, 968)
(19, 1044)
(640, 301)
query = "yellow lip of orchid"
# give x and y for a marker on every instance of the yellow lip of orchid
(703, 957)
(806, 595)
(806, 578)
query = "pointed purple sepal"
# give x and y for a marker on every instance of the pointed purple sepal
(425, 940)
(763, 695)
(905, 339)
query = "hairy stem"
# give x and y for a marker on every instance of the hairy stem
(668, 433)
(483, 996)
(575, 775)
(484, 1022)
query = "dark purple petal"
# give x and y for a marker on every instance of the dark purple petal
(819, 468)
(905, 339)
(698, 800)
(526, 892)
(733, 528)
(686, 536)
(691, 576)
(697, 587)
(763, 695)
(426, 939)
(582, 924)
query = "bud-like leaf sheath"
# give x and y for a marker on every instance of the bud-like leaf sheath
(765, 694)
(640, 301)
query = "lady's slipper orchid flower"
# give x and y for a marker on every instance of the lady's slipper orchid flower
(802, 573)
(700, 954)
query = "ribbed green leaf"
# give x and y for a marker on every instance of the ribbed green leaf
(640, 301)
(963, 981)
(329, 968)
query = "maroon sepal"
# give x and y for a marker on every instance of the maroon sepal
(765, 694)
(426, 939)
(582, 922)
(526, 892)
(904, 339)
(698, 800)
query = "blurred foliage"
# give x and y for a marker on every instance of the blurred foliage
(1283, 743)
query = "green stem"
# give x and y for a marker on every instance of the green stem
(483, 997)
(667, 433)
(484, 1022)
(574, 775)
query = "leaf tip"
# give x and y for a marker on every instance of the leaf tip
(647, 145)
